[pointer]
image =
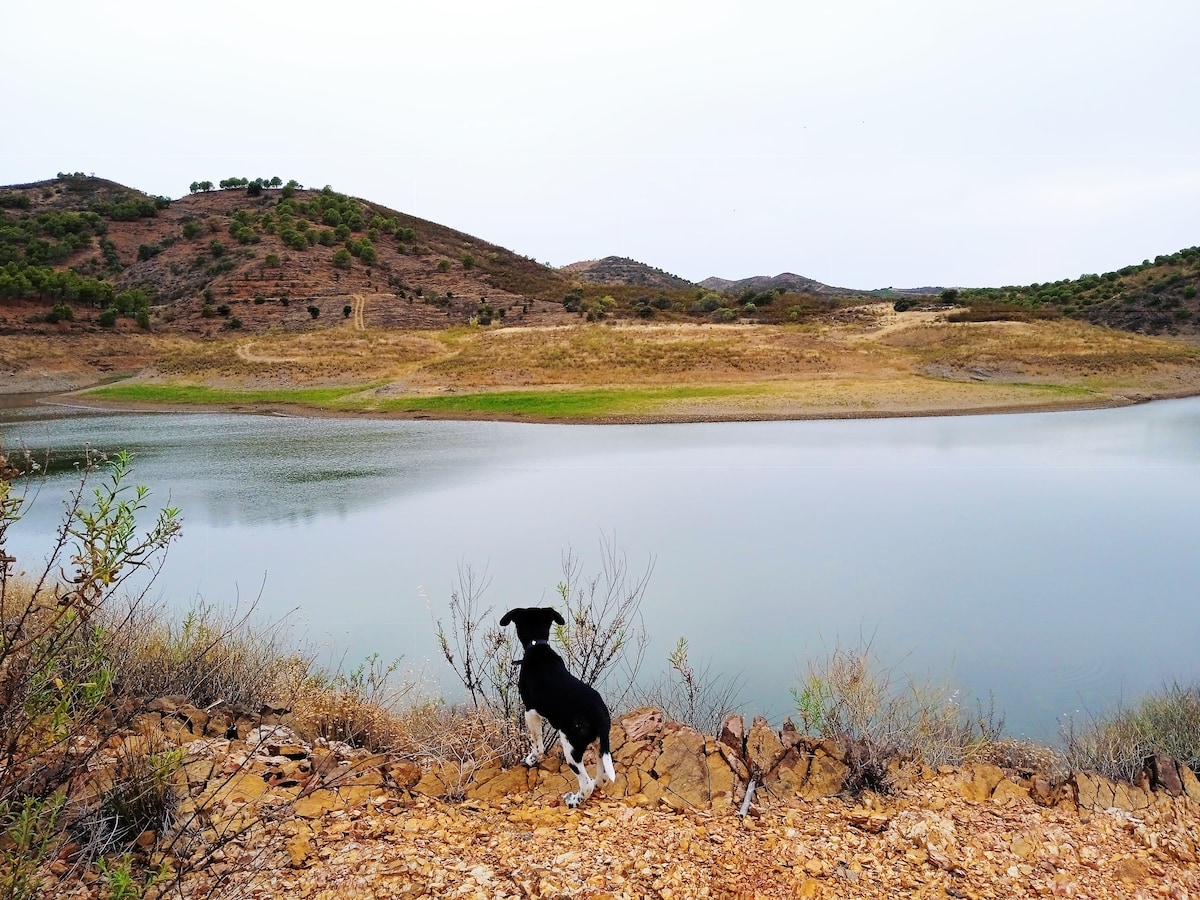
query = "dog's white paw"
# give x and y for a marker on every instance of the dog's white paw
(573, 800)
(531, 760)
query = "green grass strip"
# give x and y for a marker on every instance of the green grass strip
(565, 404)
(136, 392)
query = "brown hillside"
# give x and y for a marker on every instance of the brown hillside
(188, 258)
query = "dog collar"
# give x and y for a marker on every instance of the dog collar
(534, 643)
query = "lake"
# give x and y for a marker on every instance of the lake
(1046, 560)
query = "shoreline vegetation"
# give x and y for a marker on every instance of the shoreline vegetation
(155, 752)
(874, 363)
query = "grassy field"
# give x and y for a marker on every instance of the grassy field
(864, 361)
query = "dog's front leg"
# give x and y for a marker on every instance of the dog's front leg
(533, 722)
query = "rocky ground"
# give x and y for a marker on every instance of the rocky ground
(293, 819)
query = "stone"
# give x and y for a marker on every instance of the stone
(1189, 783)
(723, 781)
(790, 775)
(976, 783)
(198, 771)
(733, 733)
(1023, 845)
(1041, 791)
(642, 723)
(1008, 793)
(241, 787)
(1164, 774)
(496, 785)
(317, 804)
(1087, 789)
(299, 849)
(1129, 797)
(404, 773)
(826, 776)
(446, 779)
(790, 735)
(616, 738)
(682, 768)
(764, 750)
(167, 704)
(196, 719)
(639, 754)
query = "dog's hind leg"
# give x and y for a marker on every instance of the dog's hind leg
(574, 758)
(604, 769)
(533, 721)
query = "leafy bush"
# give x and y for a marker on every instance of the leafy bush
(60, 312)
(314, 311)
(108, 318)
(55, 671)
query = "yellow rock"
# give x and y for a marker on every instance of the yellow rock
(317, 804)
(977, 782)
(1007, 793)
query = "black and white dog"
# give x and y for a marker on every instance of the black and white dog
(552, 693)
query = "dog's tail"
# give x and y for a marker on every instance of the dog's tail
(606, 757)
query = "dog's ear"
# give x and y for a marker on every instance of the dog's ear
(508, 616)
(554, 614)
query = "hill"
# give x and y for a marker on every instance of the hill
(84, 254)
(618, 270)
(1155, 297)
(250, 256)
(785, 280)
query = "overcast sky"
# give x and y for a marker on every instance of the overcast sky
(864, 143)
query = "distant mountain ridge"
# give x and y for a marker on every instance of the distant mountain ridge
(789, 281)
(622, 270)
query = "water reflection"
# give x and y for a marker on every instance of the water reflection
(1046, 558)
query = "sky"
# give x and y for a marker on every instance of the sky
(863, 143)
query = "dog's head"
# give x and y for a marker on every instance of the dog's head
(533, 622)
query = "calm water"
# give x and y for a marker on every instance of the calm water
(1047, 559)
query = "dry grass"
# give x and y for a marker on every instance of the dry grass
(865, 360)
(880, 718)
(207, 654)
(325, 357)
(1117, 745)
(653, 354)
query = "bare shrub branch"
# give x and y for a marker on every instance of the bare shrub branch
(604, 633)
(696, 697)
